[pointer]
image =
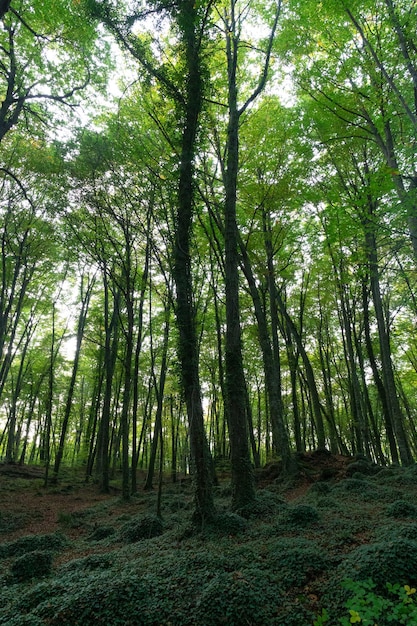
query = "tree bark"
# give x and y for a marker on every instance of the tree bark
(185, 314)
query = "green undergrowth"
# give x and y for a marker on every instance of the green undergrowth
(278, 562)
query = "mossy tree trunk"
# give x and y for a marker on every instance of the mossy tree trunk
(186, 320)
(243, 486)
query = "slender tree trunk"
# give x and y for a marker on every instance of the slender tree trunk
(280, 441)
(49, 403)
(243, 486)
(354, 386)
(185, 314)
(68, 405)
(159, 389)
(277, 412)
(93, 416)
(139, 339)
(12, 444)
(311, 381)
(385, 347)
(110, 354)
(175, 424)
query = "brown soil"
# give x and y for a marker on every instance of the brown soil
(311, 467)
(39, 510)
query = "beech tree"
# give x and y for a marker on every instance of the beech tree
(277, 230)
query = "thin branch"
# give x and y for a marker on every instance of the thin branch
(18, 182)
(264, 75)
(380, 65)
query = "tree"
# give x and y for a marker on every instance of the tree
(357, 61)
(86, 288)
(49, 54)
(242, 477)
(190, 21)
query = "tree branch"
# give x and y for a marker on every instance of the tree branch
(264, 75)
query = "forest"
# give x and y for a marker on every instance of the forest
(208, 243)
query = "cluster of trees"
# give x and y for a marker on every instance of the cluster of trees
(219, 261)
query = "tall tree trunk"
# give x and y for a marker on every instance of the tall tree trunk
(12, 447)
(277, 411)
(280, 441)
(356, 403)
(49, 402)
(110, 354)
(68, 405)
(384, 343)
(159, 389)
(311, 381)
(185, 314)
(93, 416)
(243, 487)
(139, 339)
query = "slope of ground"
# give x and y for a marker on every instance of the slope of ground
(73, 556)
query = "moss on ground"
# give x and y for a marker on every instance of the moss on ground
(276, 563)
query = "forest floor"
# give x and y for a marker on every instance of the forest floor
(71, 555)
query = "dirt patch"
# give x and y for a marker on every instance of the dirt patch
(27, 507)
(309, 467)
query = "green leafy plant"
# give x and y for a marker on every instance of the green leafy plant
(226, 524)
(402, 508)
(101, 532)
(31, 543)
(368, 608)
(386, 561)
(322, 618)
(301, 515)
(31, 565)
(236, 598)
(143, 527)
(266, 504)
(296, 560)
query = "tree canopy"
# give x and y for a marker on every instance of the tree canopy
(209, 236)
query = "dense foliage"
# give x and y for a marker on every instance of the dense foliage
(322, 558)
(209, 238)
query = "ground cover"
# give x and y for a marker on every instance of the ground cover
(73, 556)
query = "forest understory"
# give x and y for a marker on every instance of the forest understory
(73, 556)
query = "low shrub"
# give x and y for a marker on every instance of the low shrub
(30, 565)
(10, 521)
(236, 598)
(353, 486)
(320, 487)
(89, 563)
(25, 620)
(362, 466)
(296, 560)
(327, 503)
(143, 527)
(401, 508)
(265, 504)
(101, 532)
(177, 504)
(294, 612)
(396, 530)
(226, 524)
(389, 561)
(301, 515)
(76, 519)
(101, 598)
(32, 543)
